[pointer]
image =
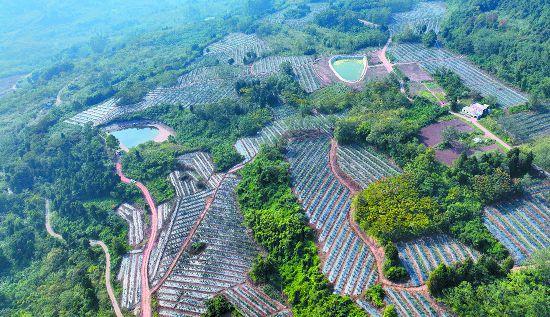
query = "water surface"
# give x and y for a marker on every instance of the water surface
(350, 69)
(132, 137)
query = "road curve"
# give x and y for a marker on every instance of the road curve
(145, 288)
(110, 291)
(49, 228)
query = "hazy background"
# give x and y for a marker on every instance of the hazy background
(34, 31)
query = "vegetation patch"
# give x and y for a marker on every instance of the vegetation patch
(279, 224)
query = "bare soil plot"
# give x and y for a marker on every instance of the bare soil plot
(432, 136)
(414, 72)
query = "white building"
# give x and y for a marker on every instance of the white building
(474, 110)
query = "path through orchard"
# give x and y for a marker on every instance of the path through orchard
(145, 287)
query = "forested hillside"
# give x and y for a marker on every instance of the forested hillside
(506, 37)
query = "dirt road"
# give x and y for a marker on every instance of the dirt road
(110, 291)
(145, 288)
(49, 228)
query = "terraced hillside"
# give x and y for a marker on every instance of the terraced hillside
(522, 225)
(301, 65)
(188, 95)
(433, 59)
(422, 256)
(315, 9)
(224, 262)
(424, 15)
(525, 126)
(235, 46)
(364, 165)
(347, 261)
(411, 304)
(269, 135)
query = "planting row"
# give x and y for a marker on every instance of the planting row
(97, 115)
(200, 168)
(302, 67)
(525, 126)
(411, 304)
(348, 263)
(315, 9)
(251, 301)
(479, 81)
(212, 73)
(184, 183)
(522, 225)
(426, 15)
(134, 218)
(422, 256)
(364, 165)
(269, 135)
(409, 53)
(218, 258)
(130, 278)
(235, 46)
(185, 215)
(164, 214)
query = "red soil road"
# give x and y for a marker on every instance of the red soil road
(145, 289)
(382, 56)
(190, 235)
(110, 291)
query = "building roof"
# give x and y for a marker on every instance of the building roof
(475, 109)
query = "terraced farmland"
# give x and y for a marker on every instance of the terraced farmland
(130, 278)
(301, 65)
(193, 94)
(253, 302)
(223, 263)
(102, 113)
(364, 165)
(186, 213)
(522, 225)
(525, 126)
(212, 74)
(134, 218)
(315, 9)
(421, 256)
(425, 14)
(250, 146)
(433, 59)
(410, 304)
(235, 46)
(200, 167)
(347, 261)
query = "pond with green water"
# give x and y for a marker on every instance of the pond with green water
(350, 69)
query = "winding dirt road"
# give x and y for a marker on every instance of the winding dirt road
(110, 291)
(145, 288)
(49, 228)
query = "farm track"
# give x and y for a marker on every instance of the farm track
(145, 288)
(486, 132)
(110, 291)
(49, 228)
(190, 235)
